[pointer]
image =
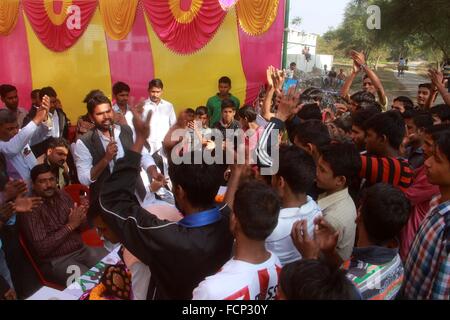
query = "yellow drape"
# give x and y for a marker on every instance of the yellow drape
(9, 13)
(185, 16)
(118, 17)
(57, 18)
(256, 16)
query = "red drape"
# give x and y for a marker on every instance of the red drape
(59, 37)
(184, 38)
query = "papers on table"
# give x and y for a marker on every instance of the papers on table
(46, 293)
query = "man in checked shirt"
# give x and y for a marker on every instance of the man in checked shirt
(52, 230)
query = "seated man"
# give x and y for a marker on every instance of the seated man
(52, 230)
(56, 158)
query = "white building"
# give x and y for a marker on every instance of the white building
(300, 43)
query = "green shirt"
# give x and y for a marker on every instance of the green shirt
(214, 106)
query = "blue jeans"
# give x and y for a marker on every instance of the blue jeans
(4, 270)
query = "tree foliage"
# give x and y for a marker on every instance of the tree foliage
(409, 28)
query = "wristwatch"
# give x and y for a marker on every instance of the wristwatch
(363, 66)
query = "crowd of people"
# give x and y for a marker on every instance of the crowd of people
(357, 204)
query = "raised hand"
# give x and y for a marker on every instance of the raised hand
(141, 126)
(289, 104)
(42, 111)
(14, 188)
(325, 235)
(358, 57)
(269, 73)
(305, 244)
(436, 77)
(26, 204)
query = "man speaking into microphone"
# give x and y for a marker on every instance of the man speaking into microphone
(97, 151)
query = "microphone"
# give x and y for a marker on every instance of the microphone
(111, 137)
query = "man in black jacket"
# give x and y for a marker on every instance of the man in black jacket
(179, 254)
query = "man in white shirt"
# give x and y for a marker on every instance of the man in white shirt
(252, 274)
(97, 151)
(295, 176)
(15, 142)
(163, 115)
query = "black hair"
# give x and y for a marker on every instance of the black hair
(7, 116)
(442, 141)
(95, 101)
(422, 119)
(119, 87)
(390, 124)
(5, 89)
(316, 280)
(293, 64)
(345, 123)
(407, 102)
(311, 95)
(200, 182)
(40, 169)
(227, 103)
(384, 212)
(297, 168)
(428, 86)
(35, 93)
(156, 83)
(370, 105)
(91, 94)
(247, 112)
(362, 97)
(314, 132)
(200, 111)
(225, 80)
(190, 111)
(256, 207)
(442, 111)
(58, 142)
(310, 111)
(360, 117)
(47, 91)
(343, 159)
(437, 128)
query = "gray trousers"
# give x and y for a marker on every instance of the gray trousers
(60, 269)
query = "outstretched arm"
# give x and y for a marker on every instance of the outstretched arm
(360, 59)
(437, 78)
(349, 81)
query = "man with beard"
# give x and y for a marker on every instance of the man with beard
(56, 157)
(10, 98)
(98, 150)
(51, 230)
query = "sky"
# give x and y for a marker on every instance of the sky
(318, 15)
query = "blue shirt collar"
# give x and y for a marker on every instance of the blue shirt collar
(201, 219)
